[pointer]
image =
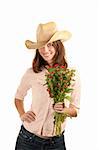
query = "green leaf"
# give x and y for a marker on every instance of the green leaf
(68, 97)
(51, 69)
(68, 90)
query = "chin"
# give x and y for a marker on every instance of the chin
(48, 59)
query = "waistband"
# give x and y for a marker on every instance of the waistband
(55, 138)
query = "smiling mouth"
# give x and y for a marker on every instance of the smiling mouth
(46, 55)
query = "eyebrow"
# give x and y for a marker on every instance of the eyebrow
(49, 43)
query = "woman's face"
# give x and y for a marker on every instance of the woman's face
(47, 52)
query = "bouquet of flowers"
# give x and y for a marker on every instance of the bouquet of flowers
(58, 81)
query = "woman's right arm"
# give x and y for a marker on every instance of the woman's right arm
(28, 116)
(19, 106)
(24, 86)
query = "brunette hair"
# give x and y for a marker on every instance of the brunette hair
(59, 58)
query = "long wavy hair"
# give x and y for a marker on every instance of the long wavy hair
(59, 58)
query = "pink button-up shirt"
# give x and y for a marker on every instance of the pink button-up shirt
(42, 103)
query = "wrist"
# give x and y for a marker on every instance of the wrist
(20, 114)
(67, 112)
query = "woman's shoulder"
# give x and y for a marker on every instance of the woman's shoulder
(29, 71)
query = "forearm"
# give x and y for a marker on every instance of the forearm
(19, 106)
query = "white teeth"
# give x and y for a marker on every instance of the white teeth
(46, 55)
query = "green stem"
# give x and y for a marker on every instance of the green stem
(58, 123)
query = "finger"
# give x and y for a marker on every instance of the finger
(59, 111)
(60, 103)
(31, 113)
(58, 106)
(28, 120)
(31, 117)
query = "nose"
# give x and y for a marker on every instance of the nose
(45, 49)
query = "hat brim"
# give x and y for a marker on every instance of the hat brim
(59, 35)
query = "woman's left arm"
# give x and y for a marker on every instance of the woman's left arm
(74, 106)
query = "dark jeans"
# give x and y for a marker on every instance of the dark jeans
(30, 141)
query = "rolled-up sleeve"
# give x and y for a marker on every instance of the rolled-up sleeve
(24, 86)
(76, 93)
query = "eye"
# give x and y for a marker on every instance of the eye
(49, 44)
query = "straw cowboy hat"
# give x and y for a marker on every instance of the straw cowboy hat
(47, 33)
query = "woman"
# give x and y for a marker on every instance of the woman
(37, 130)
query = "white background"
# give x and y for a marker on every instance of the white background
(18, 22)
